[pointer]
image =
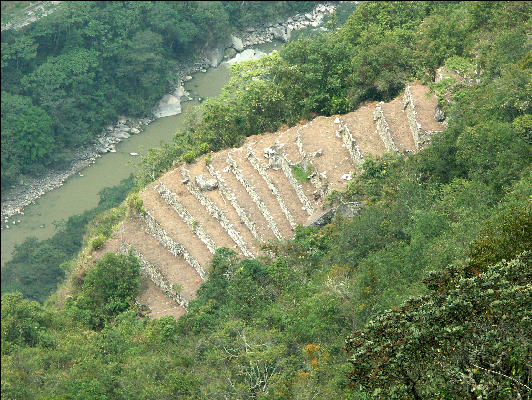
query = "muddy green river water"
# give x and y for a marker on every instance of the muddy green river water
(80, 193)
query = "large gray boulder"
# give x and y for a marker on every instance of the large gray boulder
(169, 105)
(346, 210)
(205, 183)
(215, 57)
(273, 154)
(281, 33)
(229, 53)
(237, 43)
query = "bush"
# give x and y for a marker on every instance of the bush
(134, 203)
(109, 288)
(300, 174)
(97, 242)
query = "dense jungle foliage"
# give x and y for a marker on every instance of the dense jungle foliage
(66, 76)
(425, 294)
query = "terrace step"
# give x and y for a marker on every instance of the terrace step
(350, 143)
(242, 201)
(307, 163)
(361, 124)
(228, 194)
(153, 273)
(332, 161)
(288, 143)
(257, 199)
(172, 200)
(175, 181)
(397, 120)
(420, 107)
(172, 232)
(216, 213)
(159, 304)
(261, 170)
(166, 269)
(279, 171)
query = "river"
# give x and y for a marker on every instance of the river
(80, 193)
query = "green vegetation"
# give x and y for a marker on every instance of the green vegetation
(446, 344)
(108, 289)
(66, 76)
(428, 286)
(13, 9)
(300, 174)
(37, 267)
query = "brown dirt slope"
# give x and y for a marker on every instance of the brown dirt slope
(362, 127)
(279, 204)
(425, 105)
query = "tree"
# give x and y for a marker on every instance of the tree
(109, 288)
(467, 336)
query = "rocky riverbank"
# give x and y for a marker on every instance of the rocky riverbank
(17, 198)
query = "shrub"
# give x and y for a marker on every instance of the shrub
(97, 242)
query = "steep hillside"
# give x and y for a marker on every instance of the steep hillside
(243, 197)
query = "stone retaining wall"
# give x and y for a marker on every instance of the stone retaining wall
(421, 137)
(154, 229)
(229, 195)
(287, 170)
(216, 213)
(350, 143)
(316, 179)
(254, 196)
(383, 129)
(171, 199)
(259, 167)
(157, 277)
(409, 107)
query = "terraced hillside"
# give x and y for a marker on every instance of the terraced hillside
(242, 197)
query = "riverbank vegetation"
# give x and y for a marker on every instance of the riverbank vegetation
(66, 76)
(425, 294)
(38, 266)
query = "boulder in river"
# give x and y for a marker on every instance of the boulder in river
(169, 105)
(237, 43)
(215, 57)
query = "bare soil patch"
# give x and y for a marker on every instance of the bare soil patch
(362, 128)
(335, 162)
(159, 305)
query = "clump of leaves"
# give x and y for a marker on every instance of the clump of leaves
(300, 174)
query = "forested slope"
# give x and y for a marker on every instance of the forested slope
(66, 76)
(425, 294)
